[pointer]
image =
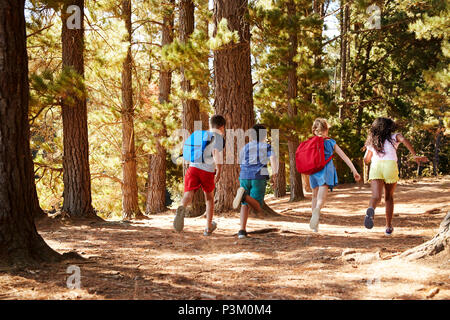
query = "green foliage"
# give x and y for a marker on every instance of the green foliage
(271, 44)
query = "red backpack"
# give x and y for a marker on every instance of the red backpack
(310, 155)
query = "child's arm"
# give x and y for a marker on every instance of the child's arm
(218, 160)
(368, 156)
(347, 161)
(401, 139)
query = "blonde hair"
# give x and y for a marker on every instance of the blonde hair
(319, 126)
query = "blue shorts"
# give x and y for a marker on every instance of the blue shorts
(256, 188)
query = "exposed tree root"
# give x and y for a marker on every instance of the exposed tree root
(35, 256)
(439, 243)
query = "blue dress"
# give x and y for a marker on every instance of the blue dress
(328, 174)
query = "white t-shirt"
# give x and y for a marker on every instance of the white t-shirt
(390, 150)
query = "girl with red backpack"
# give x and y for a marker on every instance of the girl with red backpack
(326, 178)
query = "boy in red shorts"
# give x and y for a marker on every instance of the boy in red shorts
(204, 171)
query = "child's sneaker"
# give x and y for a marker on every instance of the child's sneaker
(368, 219)
(178, 222)
(239, 197)
(314, 222)
(209, 231)
(242, 234)
(389, 231)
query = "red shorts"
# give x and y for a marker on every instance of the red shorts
(196, 178)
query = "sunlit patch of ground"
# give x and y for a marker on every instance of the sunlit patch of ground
(149, 260)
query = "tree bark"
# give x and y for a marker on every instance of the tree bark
(295, 178)
(233, 90)
(280, 182)
(319, 9)
(437, 146)
(20, 244)
(156, 194)
(191, 107)
(130, 204)
(77, 177)
(365, 91)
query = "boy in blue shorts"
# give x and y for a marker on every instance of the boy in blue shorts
(254, 158)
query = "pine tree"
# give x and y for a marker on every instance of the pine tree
(77, 178)
(288, 53)
(19, 241)
(130, 205)
(156, 194)
(233, 89)
(191, 107)
(435, 95)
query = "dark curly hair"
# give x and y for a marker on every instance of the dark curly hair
(381, 130)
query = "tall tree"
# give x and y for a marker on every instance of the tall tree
(233, 89)
(19, 241)
(130, 205)
(295, 178)
(344, 55)
(191, 107)
(77, 177)
(156, 194)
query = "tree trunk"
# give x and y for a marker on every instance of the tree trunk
(295, 177)
(156, 194)
(319, 9)
(130, 204)
(280, 183)
(191, 107)
(20, 244)
(77, 177)
(439, 243)
(437, 146)
(233, 90)
(343, 55)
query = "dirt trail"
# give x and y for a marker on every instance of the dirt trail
(148, 260)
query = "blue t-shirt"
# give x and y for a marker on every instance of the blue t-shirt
(253, 159)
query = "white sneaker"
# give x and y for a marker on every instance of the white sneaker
(314, 222)
(208, 231)
(238, 198)
(178, 222)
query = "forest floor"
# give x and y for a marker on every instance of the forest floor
(147, 259)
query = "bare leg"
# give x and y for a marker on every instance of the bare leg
(314, 198)
(322, 194)
(209, 199)
(187, 198)
(254, 204)
(245, 210)
(389, 189)
(377, 192)
(318, 202)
